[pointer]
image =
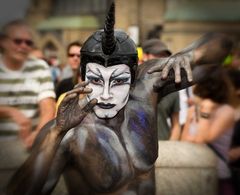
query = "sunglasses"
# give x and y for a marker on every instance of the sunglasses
(28, 42)
(73, 54)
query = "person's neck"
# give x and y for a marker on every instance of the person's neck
(12, 64)
(114, 122)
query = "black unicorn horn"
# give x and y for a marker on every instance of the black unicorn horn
(108, 39)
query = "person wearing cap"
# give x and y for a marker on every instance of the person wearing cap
(155, 48)
(168, 106)
(104, 137)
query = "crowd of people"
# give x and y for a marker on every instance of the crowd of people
(29, 92)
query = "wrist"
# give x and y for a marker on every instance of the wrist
(191, 57)
(53, 128)
(58, 130)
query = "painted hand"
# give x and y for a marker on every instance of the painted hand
(70, 113)
(175, 62)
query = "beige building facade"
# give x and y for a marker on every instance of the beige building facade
(59, 22)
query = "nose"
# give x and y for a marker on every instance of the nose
(106, 94)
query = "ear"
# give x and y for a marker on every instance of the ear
(3, 42)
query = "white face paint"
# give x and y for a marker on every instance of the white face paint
(110, 86)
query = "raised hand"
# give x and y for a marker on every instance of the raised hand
(169, 85)
(175, 62)
(212, 48)
(70, 112)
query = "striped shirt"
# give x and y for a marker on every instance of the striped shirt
(23, 89)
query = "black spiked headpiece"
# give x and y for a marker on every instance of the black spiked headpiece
(108, 39)
(109, 47)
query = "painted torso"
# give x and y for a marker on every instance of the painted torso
(106, 154)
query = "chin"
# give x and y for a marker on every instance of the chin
(105, 115)
(21, 58)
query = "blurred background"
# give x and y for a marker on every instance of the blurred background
(176, 22)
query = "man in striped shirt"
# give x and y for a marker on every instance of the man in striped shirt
(26, 89)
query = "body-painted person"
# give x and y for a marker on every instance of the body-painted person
(105, 142)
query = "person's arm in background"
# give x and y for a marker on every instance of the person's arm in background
(47, 109)
(212, 124)
(176, 129)
(19, 118)
(175, 124)
(46, 101)
(218, 122)
(185, 135)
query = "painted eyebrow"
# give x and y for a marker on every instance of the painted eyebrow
(97, 74)
(115, 76)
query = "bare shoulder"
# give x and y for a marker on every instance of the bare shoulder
(226, 111)
(227, 108)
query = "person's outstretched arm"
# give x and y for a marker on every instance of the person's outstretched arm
(212, 48)
(197, 60)
(32, 175)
